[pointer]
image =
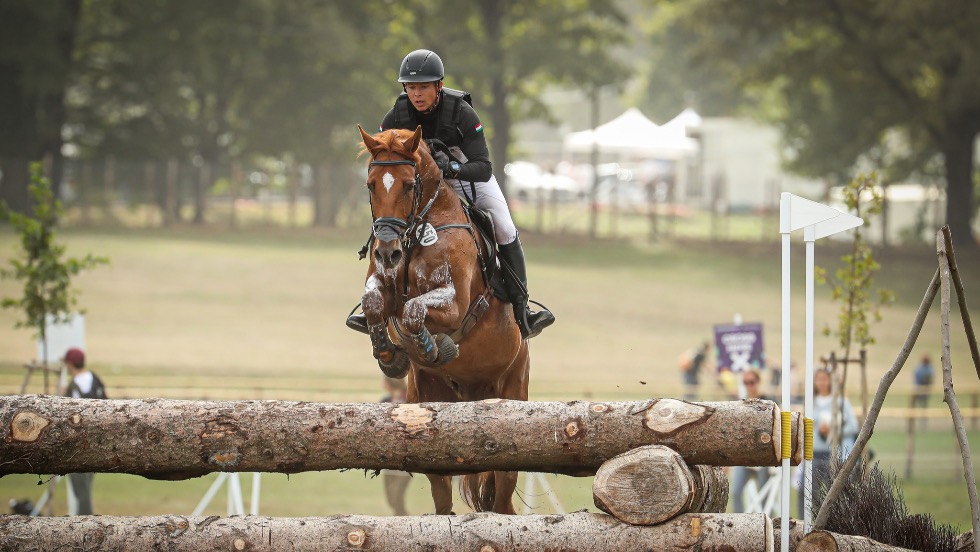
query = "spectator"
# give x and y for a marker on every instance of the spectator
(84, 384)
(923, 376)
(395, 482)
(752, 380)
(690, 364)
(823, 416)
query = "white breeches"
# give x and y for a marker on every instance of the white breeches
(490, 198)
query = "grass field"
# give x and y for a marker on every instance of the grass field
(204, 313)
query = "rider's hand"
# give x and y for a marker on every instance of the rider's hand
(442, 161)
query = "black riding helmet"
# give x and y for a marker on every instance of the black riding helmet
(421, 66)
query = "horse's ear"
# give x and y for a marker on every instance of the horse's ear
(369, 142)
(412, 144)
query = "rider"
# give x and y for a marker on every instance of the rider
(446, 115)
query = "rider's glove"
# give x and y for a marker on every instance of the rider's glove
(442, 161)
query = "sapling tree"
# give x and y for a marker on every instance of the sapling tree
(852, 284)
(40, 265)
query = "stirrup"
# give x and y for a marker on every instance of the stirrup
(538, 321)
(531, 323)
(357, 322)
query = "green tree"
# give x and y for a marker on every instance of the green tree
(851, 76)
(225, 80)
(36, 44)
(45, 274)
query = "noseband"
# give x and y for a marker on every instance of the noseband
(390, 228)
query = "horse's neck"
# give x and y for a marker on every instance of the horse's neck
(448, 207)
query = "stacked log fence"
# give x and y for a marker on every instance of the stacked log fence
(657, 465)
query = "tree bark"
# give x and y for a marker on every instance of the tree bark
(833, 542)
(174, 439)
(483, 532)
(652, 484)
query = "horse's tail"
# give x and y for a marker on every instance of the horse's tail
(479, 490)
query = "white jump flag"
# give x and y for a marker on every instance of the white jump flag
(796, 213)
(829, 227)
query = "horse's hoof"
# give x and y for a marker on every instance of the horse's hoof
(448, 350)
(397, 368)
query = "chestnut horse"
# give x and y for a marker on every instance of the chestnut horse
(430, 312)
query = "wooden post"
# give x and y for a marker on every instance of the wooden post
(149, 189)
(236, 187)
(108, 184)
(85, 192)
(170, 193)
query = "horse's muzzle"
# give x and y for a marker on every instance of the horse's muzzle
(388, 253)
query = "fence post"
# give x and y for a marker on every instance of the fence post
(149, 187)
(170, 193)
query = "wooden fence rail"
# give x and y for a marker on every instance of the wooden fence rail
(174, 439)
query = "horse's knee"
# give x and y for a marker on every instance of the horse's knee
(414, 316)
(372, 302)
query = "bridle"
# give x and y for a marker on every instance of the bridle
(388, 228)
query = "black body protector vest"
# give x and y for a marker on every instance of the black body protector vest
(447, 125)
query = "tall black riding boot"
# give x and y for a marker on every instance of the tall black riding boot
(531, 323)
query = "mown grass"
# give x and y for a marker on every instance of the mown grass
(211, 313)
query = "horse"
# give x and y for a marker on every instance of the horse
(431, 312)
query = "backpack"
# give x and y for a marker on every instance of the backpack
(96, 392)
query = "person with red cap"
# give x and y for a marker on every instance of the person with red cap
(84, 384)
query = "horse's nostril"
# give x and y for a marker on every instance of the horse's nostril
(396, 256)
(377, 257)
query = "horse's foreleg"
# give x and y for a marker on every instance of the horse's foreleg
(505, 483)
(438, 349)
(392, 361)
(442, 493)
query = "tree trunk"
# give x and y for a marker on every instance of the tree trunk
(652, 484)
(492, 12)
(484, 532)
(173, 439)
(832, 542)
(958, 159)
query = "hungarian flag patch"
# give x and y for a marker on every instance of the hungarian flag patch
(479, 127)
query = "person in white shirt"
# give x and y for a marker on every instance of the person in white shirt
(84, 384)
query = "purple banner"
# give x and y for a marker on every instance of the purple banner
(739, 347)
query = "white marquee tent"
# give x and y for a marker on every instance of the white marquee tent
(633, 134)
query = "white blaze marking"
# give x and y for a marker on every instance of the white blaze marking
(388, 181)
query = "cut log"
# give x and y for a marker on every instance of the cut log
(474, 532)
(795, 533)
(652, 484)
(174, 439)
(834, 542)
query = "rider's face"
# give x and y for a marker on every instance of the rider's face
(421, 94)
